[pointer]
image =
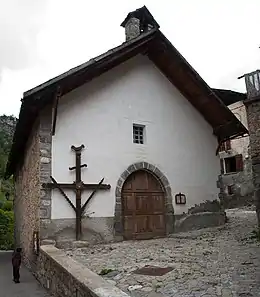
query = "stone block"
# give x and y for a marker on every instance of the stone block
(118, 199)
(164, 181)
(45, 160)
(118, 227)
(125, 174)
(139, 165)
(151, 167)
(158, 173)
(131, 168)
(118, 192)
(44, 152)
(170, 223)
(79, 244)
(45, 202)
(64, 243)
(48, 242)
(168, 192)
(118, 207)
(199, 221)
(120, 183)
(45, 212)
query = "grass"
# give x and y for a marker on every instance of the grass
(105, 271)
(255, 234)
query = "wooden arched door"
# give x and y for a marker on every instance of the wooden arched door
(143, 203)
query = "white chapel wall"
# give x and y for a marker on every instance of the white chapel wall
(100, 115)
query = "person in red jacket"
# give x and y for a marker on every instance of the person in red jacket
(16, 262)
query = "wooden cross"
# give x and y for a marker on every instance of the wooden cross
(78, 186)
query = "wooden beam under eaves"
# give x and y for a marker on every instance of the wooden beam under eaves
(55, 110)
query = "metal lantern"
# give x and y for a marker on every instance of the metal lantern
(180, 198)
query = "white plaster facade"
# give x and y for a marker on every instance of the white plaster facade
(101, 114)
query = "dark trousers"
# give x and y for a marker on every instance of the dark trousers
(16, 273)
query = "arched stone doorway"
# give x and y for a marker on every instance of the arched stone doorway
(143, 203)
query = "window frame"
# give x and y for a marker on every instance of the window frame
(238, 163)
(138, 133)
(225, 146)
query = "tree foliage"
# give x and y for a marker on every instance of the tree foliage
(7, 127)
(6, 230)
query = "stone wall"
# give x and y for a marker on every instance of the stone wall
(242, 187)
(45, 145)
(253, 115)
(26, 202)
(94, 230)
(132, 28)
(32, 205)
(204, 215)
(63, 276)
(197, 221)
(241, 182)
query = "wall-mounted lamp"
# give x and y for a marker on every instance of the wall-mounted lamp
(180, 198)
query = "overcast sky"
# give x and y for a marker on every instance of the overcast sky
(40, 39)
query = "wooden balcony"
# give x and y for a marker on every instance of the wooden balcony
(252, 84)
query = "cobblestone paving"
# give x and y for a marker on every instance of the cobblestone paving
(210, 262)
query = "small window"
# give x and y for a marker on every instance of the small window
(225, 146)
(138, 134)
(230, 190)
(232, 164)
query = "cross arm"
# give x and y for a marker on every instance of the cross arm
(56, 185)
(97, 187)
(72, 186)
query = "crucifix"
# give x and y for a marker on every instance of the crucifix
(78, 186)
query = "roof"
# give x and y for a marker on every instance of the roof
(229, 97)
(162, 53)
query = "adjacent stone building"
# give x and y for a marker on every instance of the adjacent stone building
(120, 147)
(252, 103)
(235, 180)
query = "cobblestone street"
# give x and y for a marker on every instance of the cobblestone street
(211, 262)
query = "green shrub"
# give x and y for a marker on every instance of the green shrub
(6, 230)
(255, 234)
(7, 206)
(105, 271)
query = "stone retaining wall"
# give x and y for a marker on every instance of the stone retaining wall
(62, 276)
(196, 221)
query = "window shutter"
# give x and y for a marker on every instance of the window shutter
(239, 163)
(222, 166)
(228, 144)
(222, 147)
